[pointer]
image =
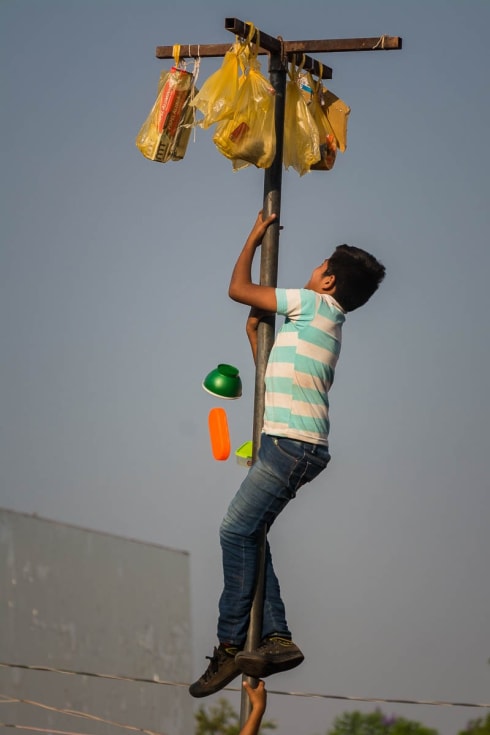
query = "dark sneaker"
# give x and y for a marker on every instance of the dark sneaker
(274, 654)
(221, 670)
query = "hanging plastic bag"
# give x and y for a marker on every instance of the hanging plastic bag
(248, 137)
(165, 133)
(301, 137)
(328, 143)
(337, 113)
(218, 93)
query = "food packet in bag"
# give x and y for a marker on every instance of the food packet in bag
(165, 133)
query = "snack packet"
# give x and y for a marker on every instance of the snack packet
(165, 133)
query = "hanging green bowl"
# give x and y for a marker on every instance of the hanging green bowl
(224, 382)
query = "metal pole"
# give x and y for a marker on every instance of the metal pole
(266, 333)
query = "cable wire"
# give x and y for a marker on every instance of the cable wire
(308, 695)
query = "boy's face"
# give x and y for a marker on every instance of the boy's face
(319, 282)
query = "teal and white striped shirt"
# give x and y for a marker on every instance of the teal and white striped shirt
(301, 366)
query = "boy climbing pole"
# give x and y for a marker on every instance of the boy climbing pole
(293, 448)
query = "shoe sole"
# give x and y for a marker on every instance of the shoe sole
(259, 668)
(198, 692)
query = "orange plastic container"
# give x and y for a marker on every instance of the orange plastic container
(219, 433)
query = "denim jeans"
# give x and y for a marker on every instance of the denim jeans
(282, 467)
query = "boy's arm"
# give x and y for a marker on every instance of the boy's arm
(254, 318)
(241, 288)
(258, 700)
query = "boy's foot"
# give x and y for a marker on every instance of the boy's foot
(274, 654)
(221, 670)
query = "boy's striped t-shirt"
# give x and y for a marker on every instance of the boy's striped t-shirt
(301, 366)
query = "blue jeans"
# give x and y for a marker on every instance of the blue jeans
(282, 467)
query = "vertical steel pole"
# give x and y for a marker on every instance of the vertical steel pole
(266, 333)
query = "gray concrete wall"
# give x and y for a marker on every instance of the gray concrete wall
(91, 602)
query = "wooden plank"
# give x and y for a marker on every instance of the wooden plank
(194, 50)
(333, 45)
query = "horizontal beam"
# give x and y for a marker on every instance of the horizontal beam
(276, 46)
(196, 51)
(333, 45)
(293, 47)
(379, 43)
(270, 44)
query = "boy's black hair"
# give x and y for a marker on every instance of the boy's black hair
(357, 275)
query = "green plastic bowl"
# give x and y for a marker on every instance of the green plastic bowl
(224, 381)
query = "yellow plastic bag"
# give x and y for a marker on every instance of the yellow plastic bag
(301, 137)
(248, 137)
(328, 143)
(218, 93)
(165, 133)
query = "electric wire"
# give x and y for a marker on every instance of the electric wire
(4, 699)
(306, 695)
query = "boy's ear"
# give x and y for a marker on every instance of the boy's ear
(328, 283)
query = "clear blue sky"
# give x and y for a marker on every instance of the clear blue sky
(113, 307)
